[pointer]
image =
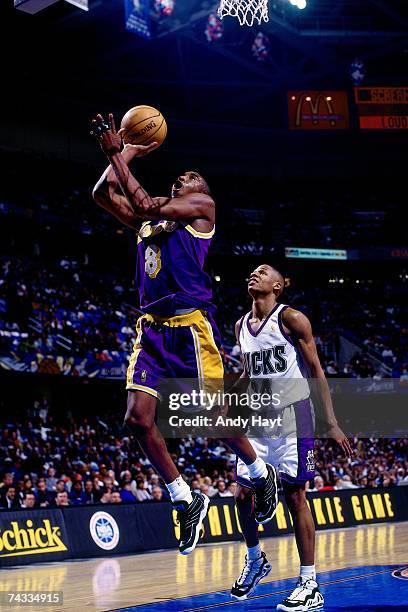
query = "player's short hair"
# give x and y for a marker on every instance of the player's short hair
(205, 186)
(279, 276)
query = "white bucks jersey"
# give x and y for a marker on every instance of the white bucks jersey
(271, 358)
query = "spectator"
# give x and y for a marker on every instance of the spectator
(157, 494)
(11, 500)
(211, 491)
(51, 480)
(222, 490)
(29, 501)
(126, 493)
(195, 485)
(44, 498)
(115, 497)
(106, 496)
(61, 499)
(77, 495)
(8, 480)
(141, 493)
(318, 484)
(91, 496)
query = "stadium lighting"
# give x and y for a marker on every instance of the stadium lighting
(300, 4)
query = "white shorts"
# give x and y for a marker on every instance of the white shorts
(292, 455)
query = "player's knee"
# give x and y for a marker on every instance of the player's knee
(138, 420)
(296, 500)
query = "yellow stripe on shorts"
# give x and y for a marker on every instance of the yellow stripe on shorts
(136, 350)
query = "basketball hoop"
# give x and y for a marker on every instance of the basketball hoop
(246, 11)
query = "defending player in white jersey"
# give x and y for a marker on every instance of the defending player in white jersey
(277, 343)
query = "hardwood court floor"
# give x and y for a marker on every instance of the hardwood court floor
(118, 582)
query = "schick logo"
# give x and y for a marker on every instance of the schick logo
(30, 540)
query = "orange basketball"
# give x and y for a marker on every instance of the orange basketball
(143, 125)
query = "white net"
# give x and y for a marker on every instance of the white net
(246, 11)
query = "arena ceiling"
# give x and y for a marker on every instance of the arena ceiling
(64, 64)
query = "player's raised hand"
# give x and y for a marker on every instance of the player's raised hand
(336, 434)
(110, 141)
(138, 150)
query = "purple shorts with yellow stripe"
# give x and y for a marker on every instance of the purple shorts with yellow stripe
(183, 346)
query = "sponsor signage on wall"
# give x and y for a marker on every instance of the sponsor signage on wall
(137, 17)
(89, 531)
(318, 110)
(28, 535)
(382, 108)
(309, 253)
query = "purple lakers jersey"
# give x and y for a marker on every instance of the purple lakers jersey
(169, 272)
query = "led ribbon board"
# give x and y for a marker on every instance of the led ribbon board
(382, 108)
(305, 253)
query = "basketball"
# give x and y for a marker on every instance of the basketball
(143, 125)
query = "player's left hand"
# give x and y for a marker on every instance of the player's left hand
(109, 140)
(336, 434)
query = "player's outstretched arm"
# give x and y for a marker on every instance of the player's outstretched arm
(300, 329)
(191, 206)
(107, 192)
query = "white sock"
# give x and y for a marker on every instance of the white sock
(307, 572)
(257, 469)
(254, 552)
(179, 490)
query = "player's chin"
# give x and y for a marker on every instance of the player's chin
(253, 288)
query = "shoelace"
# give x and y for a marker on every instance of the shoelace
(267, 492)
(249, 563)
(182, 520)
(300, 587)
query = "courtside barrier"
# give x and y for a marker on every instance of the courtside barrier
(32, 536)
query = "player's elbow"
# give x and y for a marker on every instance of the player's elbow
(97, 195)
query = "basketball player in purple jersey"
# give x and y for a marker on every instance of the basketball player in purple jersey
(177, 336)
(278, 347)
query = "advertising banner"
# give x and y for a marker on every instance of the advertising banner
(137, 15)
(330, 509)
(318, 110)
(105, 530)
(311, 253)
(31, 536)
(100, 530)
(382, 108)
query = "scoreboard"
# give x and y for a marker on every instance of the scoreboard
(382, 108)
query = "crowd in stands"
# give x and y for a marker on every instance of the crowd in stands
(65, 319)
(45, 463)
(68, 307)
(67, 303)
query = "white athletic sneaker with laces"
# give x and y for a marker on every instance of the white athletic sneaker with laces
(253, 572)
(306, 596)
